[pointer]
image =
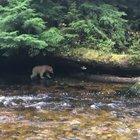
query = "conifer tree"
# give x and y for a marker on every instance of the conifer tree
(20, 27)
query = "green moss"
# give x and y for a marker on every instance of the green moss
(88, 54)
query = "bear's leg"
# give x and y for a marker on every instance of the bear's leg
(42, 75)
(33, 75)
(47, 75)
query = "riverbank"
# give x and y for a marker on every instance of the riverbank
(105, 61)
(78, 61)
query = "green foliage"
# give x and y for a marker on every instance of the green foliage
(51, 25)
(20, 26)
(6, 40)
(52, 11)
(99, 26)
(72, 13)
(53, 37)
(135, 47)
(131, 8)
(113, 25)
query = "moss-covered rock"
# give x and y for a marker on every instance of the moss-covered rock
(135, 89)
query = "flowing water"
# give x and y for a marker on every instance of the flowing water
(67, 110)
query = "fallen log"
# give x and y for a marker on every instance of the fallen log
(107, 78)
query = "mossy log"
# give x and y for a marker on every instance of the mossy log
(107, 78)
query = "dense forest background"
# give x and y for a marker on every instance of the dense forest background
(32, 27)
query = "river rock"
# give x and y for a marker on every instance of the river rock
(135, 89)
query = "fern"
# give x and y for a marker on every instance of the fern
(53, 37)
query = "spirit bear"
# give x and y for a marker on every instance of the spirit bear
(41, 71)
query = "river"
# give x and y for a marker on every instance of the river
(67, 109)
